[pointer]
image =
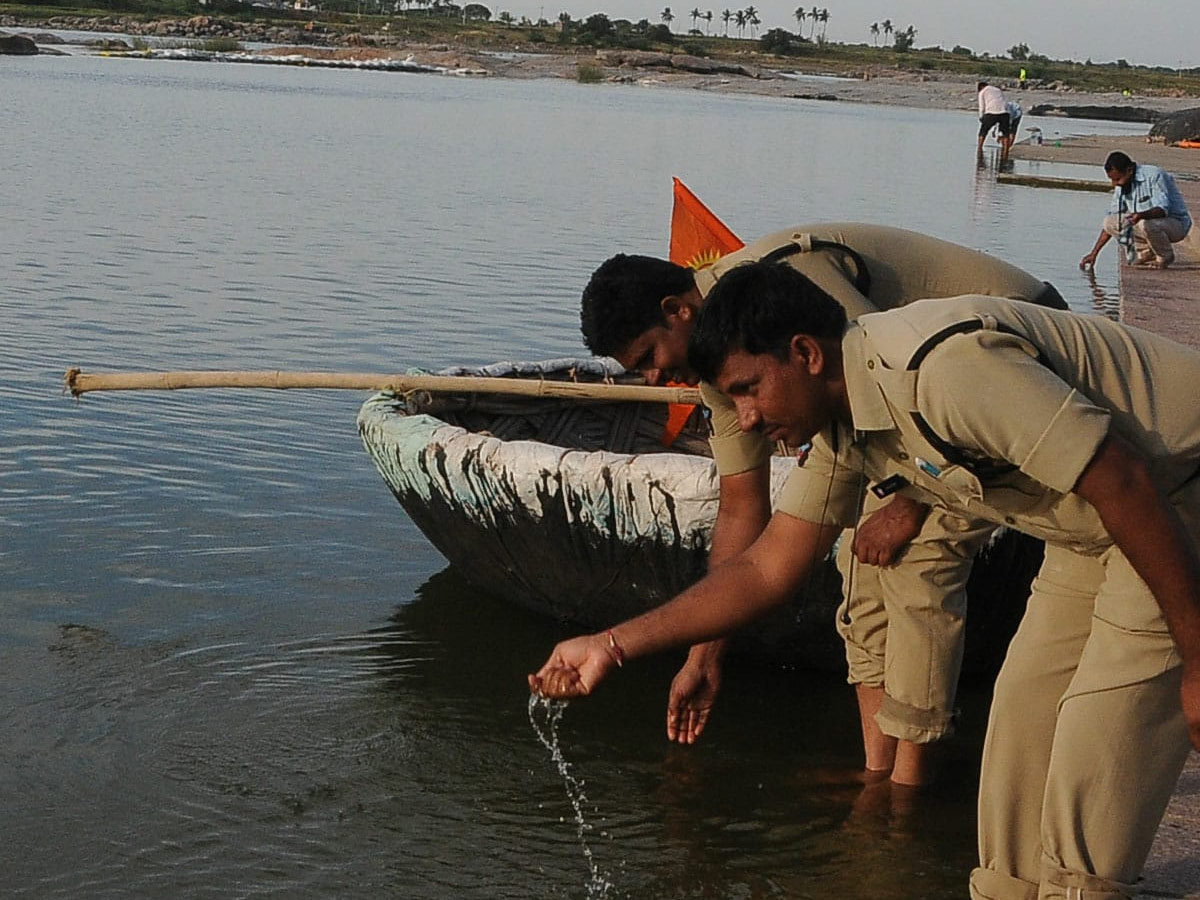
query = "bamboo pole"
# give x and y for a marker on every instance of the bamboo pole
(78, 382)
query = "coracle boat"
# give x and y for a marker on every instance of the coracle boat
(578, 510)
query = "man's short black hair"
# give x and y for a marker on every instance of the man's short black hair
(979, 86)
(1118, 162)
(624, 298)
(758, 307)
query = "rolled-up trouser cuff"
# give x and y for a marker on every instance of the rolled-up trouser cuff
(989, 885)
(908, 723)
(1062, 884)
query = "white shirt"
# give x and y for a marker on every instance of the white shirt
(991, 101)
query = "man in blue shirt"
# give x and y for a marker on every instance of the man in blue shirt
(1147, 213)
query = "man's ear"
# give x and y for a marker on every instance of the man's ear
(683, 306)
(808, 351)
(675, 306)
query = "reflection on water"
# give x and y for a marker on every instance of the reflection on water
(1106, 301)
(400, 761)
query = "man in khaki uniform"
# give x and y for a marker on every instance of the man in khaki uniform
(641, 311)
(1072, 428)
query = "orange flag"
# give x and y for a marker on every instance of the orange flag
(698, 239)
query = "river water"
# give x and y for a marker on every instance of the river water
(231, 666)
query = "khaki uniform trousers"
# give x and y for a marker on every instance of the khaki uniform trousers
(903, 624)
(1155, 235)
(1086, 737)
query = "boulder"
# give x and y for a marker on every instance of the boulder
(17, 45)
(1108, 113)
(1171, 128)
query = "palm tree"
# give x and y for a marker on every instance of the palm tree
(801, 14)
(739, 19)
(752, 18)
(887, 29)
(667, 16)
(824, 22)
(726, 15)
(813, 15)
(875, 33)
(695, 14)
(708, 22)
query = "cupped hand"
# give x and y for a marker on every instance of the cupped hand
(1087, 263)
(573, 669)
(694, 691)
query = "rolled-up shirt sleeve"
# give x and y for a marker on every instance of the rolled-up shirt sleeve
(826, 490)
(734, 451)
(984, 392)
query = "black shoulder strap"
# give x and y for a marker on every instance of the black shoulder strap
(862, 275)
(981, 467)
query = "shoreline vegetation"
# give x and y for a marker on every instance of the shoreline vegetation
(779, 63)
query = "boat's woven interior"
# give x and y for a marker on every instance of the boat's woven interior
(618, 427)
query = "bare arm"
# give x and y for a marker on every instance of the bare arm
(1089, 261)
(1154, 212)
(730, 596)
(1149, 532)
(743, 513)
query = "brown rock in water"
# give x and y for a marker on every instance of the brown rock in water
(17, 45)
(1172, 128)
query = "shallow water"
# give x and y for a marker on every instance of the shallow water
(232, 666)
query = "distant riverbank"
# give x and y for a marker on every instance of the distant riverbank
(747, 72)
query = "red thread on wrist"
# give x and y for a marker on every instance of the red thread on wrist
(614, 649)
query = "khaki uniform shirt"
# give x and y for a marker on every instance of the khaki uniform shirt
(986, 392)
(903, 265)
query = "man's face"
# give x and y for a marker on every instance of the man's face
(660, 353)
(783, 399)
(1118, 178)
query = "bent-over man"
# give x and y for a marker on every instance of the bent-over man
(905, 567)
(993, 112)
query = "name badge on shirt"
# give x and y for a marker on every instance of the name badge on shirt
(889, 486)
(928, 468)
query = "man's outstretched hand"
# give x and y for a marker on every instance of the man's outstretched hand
(574, 668)
(693, 693)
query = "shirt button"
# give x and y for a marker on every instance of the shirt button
(870, 363)
(902, 455)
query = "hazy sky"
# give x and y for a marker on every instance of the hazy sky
(1165, 33)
